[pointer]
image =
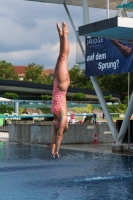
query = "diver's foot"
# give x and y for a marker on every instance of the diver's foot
(59, 29)
(53, 155)
(64, 28)
(56, 155)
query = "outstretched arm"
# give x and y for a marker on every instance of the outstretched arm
(60, 132)
(53, 139)
(125, 50)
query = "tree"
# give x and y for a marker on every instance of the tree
(47, 80)
(107, 98)
(79, 96)
(35, 73)
(126, 100)
(7, 71)
(117, 83)
(78, 78)
(10, 95)
(46, 97)
(5, 109)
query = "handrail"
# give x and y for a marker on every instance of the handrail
(40, 116)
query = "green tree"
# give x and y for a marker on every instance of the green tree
(35, 73)
(126, 100)
(88, 109)
(78, 78)
(107, 98)
(10, 95)
(48, 80)
(79, 96)
(7, 71)
(117, 83)
(5, 109)
(46, 97)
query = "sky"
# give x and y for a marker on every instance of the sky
(28, 31)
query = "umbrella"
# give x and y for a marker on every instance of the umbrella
(4, 99)
(126, 5)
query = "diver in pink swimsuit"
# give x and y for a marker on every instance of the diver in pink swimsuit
(57, 97)
(61, 84)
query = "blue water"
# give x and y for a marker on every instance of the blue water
(29, 172)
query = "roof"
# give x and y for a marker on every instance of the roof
(91, 3)
(20, 70)
(37, 88)
(49, 72)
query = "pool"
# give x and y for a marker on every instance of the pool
(29, 172)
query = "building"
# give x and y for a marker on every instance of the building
(33, 91)
(21, 71)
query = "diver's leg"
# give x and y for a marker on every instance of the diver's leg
(61, 70)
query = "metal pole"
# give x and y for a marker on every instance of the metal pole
(16, 107)
(126, 120)
(120, 9)
(78, 39)
(96, 85)
(123, 12)
(107, 7)
(128, 105)
(128, 86)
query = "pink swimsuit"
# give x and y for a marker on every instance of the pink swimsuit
(57, 99)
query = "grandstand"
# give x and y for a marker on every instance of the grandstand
(33, 91)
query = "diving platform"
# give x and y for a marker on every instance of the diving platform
(113, 28)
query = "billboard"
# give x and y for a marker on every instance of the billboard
(104, 56)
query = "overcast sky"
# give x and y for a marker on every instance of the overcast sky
(28, 31)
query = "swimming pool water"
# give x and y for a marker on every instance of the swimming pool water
(29, 172)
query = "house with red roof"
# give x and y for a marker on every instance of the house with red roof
(21, 71)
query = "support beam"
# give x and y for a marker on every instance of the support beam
(77, 36)
(121, 9)
(124, 14)
(96, 85)
(125, 121)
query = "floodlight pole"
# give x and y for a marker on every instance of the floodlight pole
(71, 21)
(107, 8)
(96, 84)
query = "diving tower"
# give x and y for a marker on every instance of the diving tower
(103, 4)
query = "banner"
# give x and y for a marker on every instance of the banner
(104, 56)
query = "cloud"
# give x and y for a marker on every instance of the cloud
(46, 55)
(28, 31)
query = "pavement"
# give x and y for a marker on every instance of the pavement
(4, 136)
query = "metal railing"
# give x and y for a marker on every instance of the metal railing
(4, 128)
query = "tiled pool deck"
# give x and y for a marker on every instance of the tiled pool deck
(83, 172)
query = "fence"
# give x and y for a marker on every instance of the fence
(4, 128)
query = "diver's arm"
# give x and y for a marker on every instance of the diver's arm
(125, 50)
